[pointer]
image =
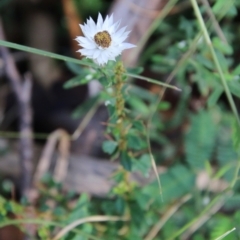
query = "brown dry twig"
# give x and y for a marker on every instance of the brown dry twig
(22, 89)
(62, 161)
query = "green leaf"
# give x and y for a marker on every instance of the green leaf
(222, 225)
(76, 81)
(228, 7)
(234, 87)
(236, 70)
(105, 82)
(202, 60)
(139, 126)
(138, 105)
(109, 146)
(80, 210)
(143, 164)
(126, 161)
(163, 106)
(215, 95)
(232, 203)
(142, 93)
(120, 205)
(222, 46)
(75, 68)
(236, 135)
(136, 70)
(187, 26)
(135, 142)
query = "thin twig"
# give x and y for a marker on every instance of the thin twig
(214, 21)
(26, 143)
(22, 90)
(44, 163)
(85, 122)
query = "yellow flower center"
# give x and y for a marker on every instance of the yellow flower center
(103, 39)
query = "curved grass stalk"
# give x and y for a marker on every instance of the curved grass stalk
(44, 222)
(78, 222)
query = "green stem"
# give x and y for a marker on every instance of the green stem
(45, 53)
(152, 81)
(120, 104)
(215, 59)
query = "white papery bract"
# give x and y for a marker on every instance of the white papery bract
(103, 41)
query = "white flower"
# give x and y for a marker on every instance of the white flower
(103, 41)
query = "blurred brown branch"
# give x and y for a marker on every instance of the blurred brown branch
(22, 89)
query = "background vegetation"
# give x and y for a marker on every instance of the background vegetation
(191, 135)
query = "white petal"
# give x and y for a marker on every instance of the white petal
(87, 52)
(97, 53)
(119, 32)
(106, 24)
(89, 46)
(110, 22)
(127, 46)
(121, 38)
(114, 27)
(99, 21)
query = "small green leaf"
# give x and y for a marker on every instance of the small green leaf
(139, 126)
(120, 205)
(163, 106)
(143, 164)
(236, 135)
(136, 70)
(75, 68)
(142, 93)
(236, 71)
(104, 81)
(221, 46)
(135, 142)
(215, 95)
(109, 146)
(76, 81)
(126, 161)
(234, 87)
(139, 105)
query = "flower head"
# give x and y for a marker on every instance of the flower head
(103, 40)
